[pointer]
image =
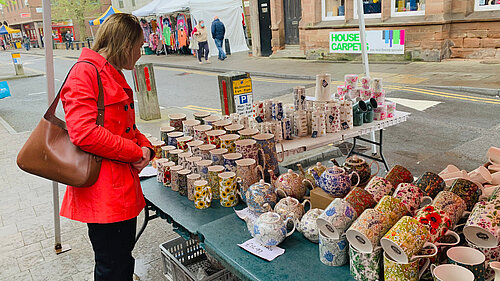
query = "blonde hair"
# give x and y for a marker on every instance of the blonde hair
(116, 38)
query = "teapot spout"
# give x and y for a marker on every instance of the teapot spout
(335, 162)
(272, 175)
(301, 170)
(315, 176)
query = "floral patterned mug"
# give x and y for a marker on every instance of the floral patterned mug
(336, 218)
(452, 204)
(411, 196)
(399, 174)
(366, 266)
(470, 258)
(393, 208)
(360, 199)
(439, 224)
(431, 184)
(202, 194)
(378, 187)
(483, 226)
(395, 271)
(332, 251)
(365, 233)
(228, 189)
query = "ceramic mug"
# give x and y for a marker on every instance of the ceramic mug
(308, 226)
(203, 168)
(188, 127)
(172, 138)
(360, 199)
(336, 218)
(431, 184)
(163, 133)
(480, 175)
(194, 147)
(165, 149)
(200, 132)
(439, 224)
(451, 272)
(452, 204)
(483, 226)
(213, 180)
(248, 148)
(205, 151)
(378, 187)
(399, 174)
(228, 142)
(210, 120)
(491, 255)
(230, 161)
(216, 156)
(366, 266)
(182, 143)
(393, 208)
(470, 258)
(174, 183)
(234, 128)
(467, 190)
(160, 169)
(221, 124)
(183, 158)
(411, 196)
(199, 115)
(228, 189)
(191, 163)
(202, 194)
(167, 174)
(493, 155)
(213, 137)
(247, 172)
(173, 155)
(176, 120)
(366, 231)
(332, 251)
(182, 181)
(405, 239)
(413, 271)
(190, 184)
(248, 133)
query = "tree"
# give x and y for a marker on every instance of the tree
(76, 10)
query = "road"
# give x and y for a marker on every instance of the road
(445, 126)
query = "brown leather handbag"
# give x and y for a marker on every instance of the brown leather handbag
(49, 152)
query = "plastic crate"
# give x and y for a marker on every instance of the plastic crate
(182, 259)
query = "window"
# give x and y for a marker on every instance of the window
(407, 8)
(485, 5)
(372, 8)
(120, 4)
(333, 9)
(133, 3)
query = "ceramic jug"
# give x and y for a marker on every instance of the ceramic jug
(361, 167)
(319, 168)
(358, 111)
(290, 207)
(270, 160)
(261, 197)
(334, 181)
(270, 229)
(496, 267)
(292, 183)
(370, 105)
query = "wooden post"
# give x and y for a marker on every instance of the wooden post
(145, 86)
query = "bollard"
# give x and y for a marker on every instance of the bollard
(77, 46)
(88, 43)
(145, 86)
(18, 66)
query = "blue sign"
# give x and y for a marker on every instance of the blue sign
(4, 89)
(243, 99)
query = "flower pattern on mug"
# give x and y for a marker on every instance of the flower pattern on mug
(333, 252)
(437, 220)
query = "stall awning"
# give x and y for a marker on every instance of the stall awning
(161, 7)
(7, 30)
(104, 16)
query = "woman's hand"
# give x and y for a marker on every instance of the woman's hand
(146, 155)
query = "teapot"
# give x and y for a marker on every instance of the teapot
(290, 207)
(361, 167)
(308, 226)
(335, 181)
(292, 184)
(261, 197)
(270, 229)
(319, 168)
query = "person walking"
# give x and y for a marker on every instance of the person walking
(111, 205)
(2, 43)
(218, 32)
(200, 31)
(69, 40)
(26, 42)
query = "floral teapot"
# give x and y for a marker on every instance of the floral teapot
(270, 229)
(290, 207)
(335, 181)
(292, 184)
(361, 167)
(261, 197)
(319, 168)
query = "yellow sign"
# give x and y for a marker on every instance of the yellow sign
(242, 86)
(16, 56)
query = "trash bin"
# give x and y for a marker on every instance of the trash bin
(236, 93)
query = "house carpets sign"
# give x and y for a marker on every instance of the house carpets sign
(377, 41)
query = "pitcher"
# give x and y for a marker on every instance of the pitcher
(270, 158)
(247, 172)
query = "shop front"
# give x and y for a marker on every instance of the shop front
(60, 28)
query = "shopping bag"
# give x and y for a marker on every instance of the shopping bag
(4, 89)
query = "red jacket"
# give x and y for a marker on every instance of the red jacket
(117, 194)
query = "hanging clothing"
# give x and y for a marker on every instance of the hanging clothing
(182, 37)
(166, 34)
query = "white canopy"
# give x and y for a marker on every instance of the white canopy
(229, 12)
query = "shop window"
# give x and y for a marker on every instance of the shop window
(120, 4)
(485, 5)
(407, 8)
(372, 8)
(332, 9)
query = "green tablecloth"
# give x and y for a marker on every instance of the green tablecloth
(299, 262)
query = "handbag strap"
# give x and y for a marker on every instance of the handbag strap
(50, 114)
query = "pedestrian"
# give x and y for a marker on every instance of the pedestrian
(218, 32)
(200, 31)
(110, 206)
(69, 40)
(2, 43)
(26, 42)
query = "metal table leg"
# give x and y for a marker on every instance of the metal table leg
(147, 218)
(381, 158)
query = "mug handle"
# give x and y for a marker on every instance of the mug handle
(426, 256)
(378, 167)
(261, 170)
(282, 152)
(304, 204)
(452, 233)
(278, 190)
(267, 207)
(425, 201)
(359, 179)
(432, 267)
(210, 194)
(293, 229)
(308, 183)
(424, 268)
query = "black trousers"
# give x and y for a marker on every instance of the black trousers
(113, 244)
(202, 50)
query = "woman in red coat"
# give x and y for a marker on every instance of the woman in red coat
(110, 207)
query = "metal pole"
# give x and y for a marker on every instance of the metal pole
(49, 70)
(364, 54)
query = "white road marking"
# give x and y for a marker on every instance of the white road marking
(35, 94)
(419, 105)
(7, 126)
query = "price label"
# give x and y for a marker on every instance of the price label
(267, 253)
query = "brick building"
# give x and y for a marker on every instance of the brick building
(435, 29)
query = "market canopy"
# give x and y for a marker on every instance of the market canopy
(104, 16)
(161, 7)
(7, 30)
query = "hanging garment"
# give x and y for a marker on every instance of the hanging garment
(182, 37)
(166, 34)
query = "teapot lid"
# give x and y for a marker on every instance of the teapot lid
(355, 160)
(335, 170)
(260, 184)
(269, 217)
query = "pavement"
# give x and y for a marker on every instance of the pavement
(456, 74)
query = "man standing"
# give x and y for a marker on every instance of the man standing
(218, 31)
(69, 40)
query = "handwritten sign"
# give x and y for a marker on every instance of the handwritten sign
(267, 253)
